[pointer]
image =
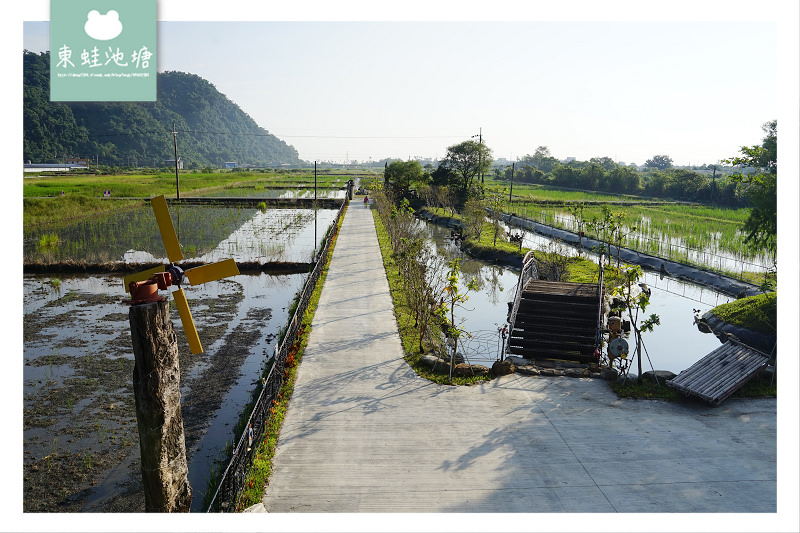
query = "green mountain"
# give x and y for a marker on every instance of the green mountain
(211, 129)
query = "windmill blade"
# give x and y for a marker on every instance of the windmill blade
(141, 276)
(212, 272)
(167, 229)
(187, 321)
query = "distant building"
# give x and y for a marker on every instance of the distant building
(170, 163)
(80, 162)
(230, 164)
(47, 167)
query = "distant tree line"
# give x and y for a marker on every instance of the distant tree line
(749, 180)
(602, 174)
(466, 162)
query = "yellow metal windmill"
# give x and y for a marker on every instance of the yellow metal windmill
(165, 275)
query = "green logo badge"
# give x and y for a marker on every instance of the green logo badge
(103, 50)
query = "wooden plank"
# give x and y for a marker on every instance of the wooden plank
(529, 317)
(582, 337)
(585, 290)
(720, 373)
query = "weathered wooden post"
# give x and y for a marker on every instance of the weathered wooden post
(156, 384)
(156, 372)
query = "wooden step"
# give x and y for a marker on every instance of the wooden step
(561, 288)
(565, 344)
(559, 355)
(529, 321)
(583, 336)
(566, 304)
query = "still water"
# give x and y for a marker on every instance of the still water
(674, 345)
(77, 335)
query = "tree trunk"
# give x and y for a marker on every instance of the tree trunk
(156, 385)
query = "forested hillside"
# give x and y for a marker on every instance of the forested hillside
(211, 128)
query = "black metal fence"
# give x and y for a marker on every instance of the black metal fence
(233, 478)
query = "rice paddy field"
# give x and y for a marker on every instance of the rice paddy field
(80, 451)
(701, 235)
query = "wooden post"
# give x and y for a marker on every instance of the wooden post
(156, 387)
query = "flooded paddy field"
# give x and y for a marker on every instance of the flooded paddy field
(81, 450)
(705, 236)
(278, 191)
(206, 233)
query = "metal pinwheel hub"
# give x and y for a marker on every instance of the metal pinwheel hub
(146, 291)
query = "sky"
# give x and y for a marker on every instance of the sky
(358, 90)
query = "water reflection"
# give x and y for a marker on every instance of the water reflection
(208, 233)
(674, 345)
(69, 320)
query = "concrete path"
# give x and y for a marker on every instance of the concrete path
(363, 433)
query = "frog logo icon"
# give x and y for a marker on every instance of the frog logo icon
(103, 27)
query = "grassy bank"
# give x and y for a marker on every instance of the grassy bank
(578, 269)
(409, 335)
(43, 201)
(650, 390)
(36, 212)
(758, 313)
(153, 184)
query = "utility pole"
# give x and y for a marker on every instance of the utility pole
(480, 154)
(177, 179)
(512, 185)
(713, 183)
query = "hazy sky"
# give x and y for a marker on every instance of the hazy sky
(695, 91)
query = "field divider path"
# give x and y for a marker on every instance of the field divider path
(364, 433)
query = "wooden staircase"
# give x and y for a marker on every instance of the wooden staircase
(556, 320)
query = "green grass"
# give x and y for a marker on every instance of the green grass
(48, 240)
(43, 202)
(146, 185)
(59, 210)
(409, 335)
(758, 313)
(646, 390)
(536, 192)
(649, 390)
(579, 269)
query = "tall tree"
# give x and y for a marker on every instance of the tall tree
(403, 175)
(466, 160)
(758, 175)
(659, 161)
(606, 162)
(541, 159)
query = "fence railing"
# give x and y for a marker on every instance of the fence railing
(529, 271)
(233, 478)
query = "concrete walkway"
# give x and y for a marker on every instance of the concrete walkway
(363, 433)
